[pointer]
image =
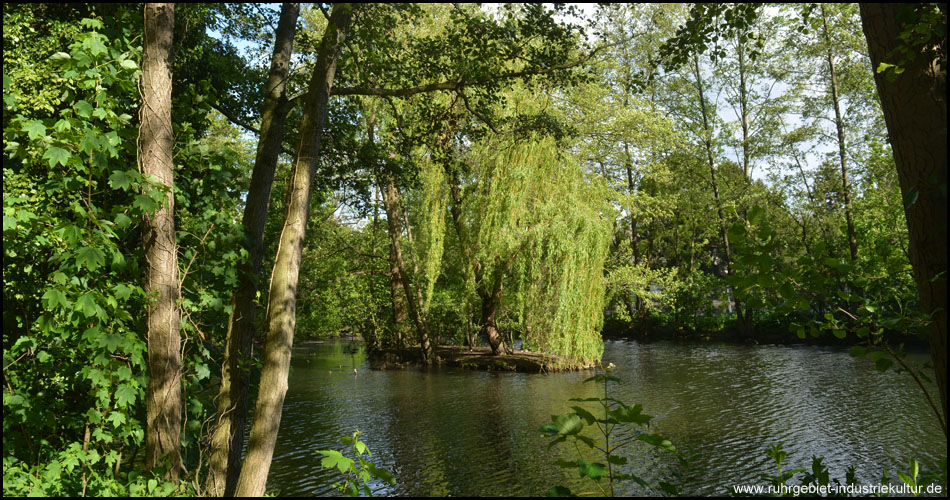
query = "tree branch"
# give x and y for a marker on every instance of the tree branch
(246, 126)
(235, 120)
(455, 85)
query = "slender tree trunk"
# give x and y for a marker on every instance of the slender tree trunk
(163, 394)
(391, 204)
(842, 150)
(746, 320)
(723, 234)
(397, 294)
(491, 297)
(281, 307)
(469, 332)
(744, 111)
(636, 305)
(227, 440)
(915, 110)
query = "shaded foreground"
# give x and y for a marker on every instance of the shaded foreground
(479, 358)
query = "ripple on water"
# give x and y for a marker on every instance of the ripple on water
(451, 432)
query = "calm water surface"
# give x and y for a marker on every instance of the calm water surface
(453, 432)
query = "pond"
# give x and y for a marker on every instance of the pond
(465, 433)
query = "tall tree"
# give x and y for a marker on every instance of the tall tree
(914, 100)
(228, 437)
(839, 129)
(714, 182)
(546, 59)
(163, 395)
(282, 300)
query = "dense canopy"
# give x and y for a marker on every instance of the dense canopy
(182, 183)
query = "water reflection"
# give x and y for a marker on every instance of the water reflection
(453, 432)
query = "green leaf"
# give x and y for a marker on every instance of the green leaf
(91, 23)
(882, 365)
(120, 180)
(593, 471)
(883, 66)
(83, 109)
(586, 415)
(8, 223)
(54, 297)
(380, 473)
(567, 424)
(56, 155)
(59, 57)
(122, 221)
(34, 129)
(125, 395)
(658, 441)
(90, 258)
(86, 304)
(122, 291)
(333, 458)
(145, 203)
(94, 44)
(560, 491)
(117, 419)
(756, 213)
(111, 341)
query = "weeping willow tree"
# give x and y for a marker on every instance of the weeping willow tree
(431, 241)
(536, 239)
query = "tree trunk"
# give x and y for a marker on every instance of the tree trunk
(842, 151)
(163, 394)
(744, 111)
(915, 110)
(491, 299)
(281, 307)
(398, 295)
(635, 305)
(227, 439)
(391, 204)
(723, 234)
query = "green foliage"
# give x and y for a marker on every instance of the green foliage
(817, 480)
(356, 479)
(74, 343)
(617, 416)
(526, 223)
(823, 293)
(924, 25)
(339, 295)
(73, 360)
(708, 27)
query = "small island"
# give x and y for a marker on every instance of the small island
(478, 358)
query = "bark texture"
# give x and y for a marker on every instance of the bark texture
(281, 308)
(915, 110)
(227, 439)
(163, 394)
(391, 204)
(489, 293)
(842, 149)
